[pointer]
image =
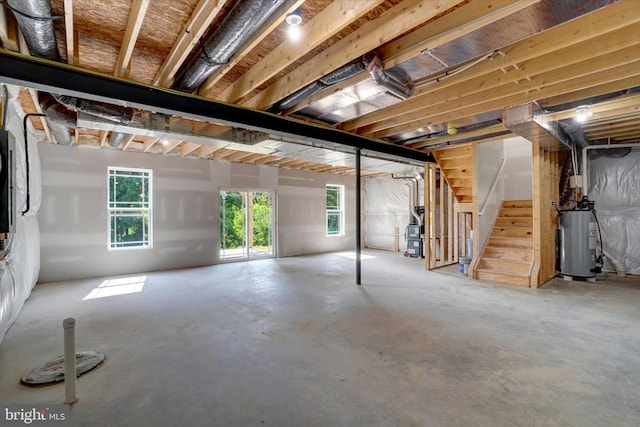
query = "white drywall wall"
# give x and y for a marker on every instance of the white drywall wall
(489, 157)
(518, 171)
(185, 211)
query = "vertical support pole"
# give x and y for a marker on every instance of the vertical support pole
(358, 221)
(69, 326)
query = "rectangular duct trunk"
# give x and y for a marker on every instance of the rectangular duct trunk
(531, 122)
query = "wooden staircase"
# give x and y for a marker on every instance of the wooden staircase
(508, 254)
(456, 165)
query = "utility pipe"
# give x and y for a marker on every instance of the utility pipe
(358, 221)
(69, 326)
(26, 158)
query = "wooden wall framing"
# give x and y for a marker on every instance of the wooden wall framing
(442, 221)
(546, 178)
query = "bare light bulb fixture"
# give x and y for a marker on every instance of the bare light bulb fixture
(294, 19)
(582, 114)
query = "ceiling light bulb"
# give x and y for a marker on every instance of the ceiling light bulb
(582, 114)
(165, 142)
(294, 31)
(294, 18)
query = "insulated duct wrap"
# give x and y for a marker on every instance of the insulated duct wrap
(242, 22)
(113, 113)
(388, 81)
(575, 132)
(340, 74)
(613, 186)
(59, 118)
(38, 33)
(115, 139)
(20, 268)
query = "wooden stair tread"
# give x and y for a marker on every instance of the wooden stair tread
(502, 273)
(507, 279)
(508, 254)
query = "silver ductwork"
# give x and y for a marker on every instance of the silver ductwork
(35, 21)
(575, 132)
(531, 122)
(345, 72)
(400, 87)
(59, 118)
(110, 112)
(244, 19)
(115, 139)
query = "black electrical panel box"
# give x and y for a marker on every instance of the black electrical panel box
(7, 183)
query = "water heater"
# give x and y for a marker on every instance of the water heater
(577, 242)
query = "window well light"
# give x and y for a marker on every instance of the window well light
(582, 114)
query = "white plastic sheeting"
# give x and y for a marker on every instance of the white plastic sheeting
(20, 267)
(615, 189)
(386, 206)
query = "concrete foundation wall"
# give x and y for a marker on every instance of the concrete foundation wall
(73, 215)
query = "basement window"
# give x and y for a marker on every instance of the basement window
(129, 208)
(335, 210)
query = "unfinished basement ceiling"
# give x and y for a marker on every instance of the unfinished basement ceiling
(446, 64)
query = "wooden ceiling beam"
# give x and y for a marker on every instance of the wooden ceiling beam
(533, 86)
(9, 30)
(460, 22)
(394, 22)
(587, 28)
(265, 160)
(205, 150)
(335, 17)
(253, 157)
(460, 135)
(605, 110)
(171, 144)
(149, 142)
(188, 148)
(618, 78)
(237, 155)
(222, 153)
(136, 17)
(127, 141)
(69, 33)
(275, 20)
(203, 15)
(457, 23)
(47, 132)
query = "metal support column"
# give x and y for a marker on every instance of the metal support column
(358, 221)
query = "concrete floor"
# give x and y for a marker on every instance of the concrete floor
(293, 342)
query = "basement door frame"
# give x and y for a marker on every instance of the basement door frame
(246, 254)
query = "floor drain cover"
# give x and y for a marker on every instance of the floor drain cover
(53, 370)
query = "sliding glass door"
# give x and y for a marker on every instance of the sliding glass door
(246, 224)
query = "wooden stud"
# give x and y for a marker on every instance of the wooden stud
(391, 24)
(69, 32)
(204, 13)
(136, 17)
(266, 29)
(332, 19)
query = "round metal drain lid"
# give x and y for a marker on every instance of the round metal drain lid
(53, 370)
